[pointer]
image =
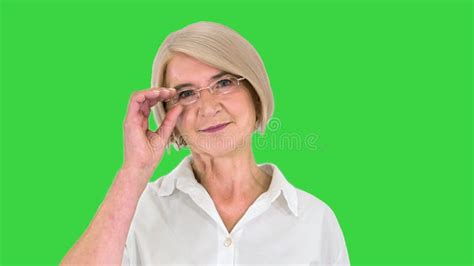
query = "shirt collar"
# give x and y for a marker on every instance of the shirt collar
(182, 178)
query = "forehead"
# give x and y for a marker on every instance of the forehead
(186, 69)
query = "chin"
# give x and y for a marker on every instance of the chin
(218, 145)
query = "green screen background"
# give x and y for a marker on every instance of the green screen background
(386, 87)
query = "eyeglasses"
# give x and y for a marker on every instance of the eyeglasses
(189, 95)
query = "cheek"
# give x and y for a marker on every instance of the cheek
(185, 123)
(243, 111)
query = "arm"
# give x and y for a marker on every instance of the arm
(336, 252)
(104, 240)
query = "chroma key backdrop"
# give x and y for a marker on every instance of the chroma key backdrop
(373, 115)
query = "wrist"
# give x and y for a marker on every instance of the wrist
(136, 177)
(142, 172)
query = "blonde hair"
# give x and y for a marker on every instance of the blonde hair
(220, 47)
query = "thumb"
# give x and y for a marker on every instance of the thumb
(167, 126)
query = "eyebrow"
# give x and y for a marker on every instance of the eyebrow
(220, 74)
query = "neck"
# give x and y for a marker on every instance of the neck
(231, 177)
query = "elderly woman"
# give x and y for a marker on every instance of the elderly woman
(210, 92)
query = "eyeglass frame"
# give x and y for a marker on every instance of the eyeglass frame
(198, 90)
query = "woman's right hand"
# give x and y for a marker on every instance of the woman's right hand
(143, 148)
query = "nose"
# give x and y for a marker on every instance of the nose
(209, 104)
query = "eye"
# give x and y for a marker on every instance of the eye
(224, 83)
(185, 94)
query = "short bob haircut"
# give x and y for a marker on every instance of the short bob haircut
(220, 47)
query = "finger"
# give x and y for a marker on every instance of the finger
(145, 109)
(139, 101)
(134, 116)
(166, 128)
(152, 98)
(165, 94)
(153, 94)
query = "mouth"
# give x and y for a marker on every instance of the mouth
(215, 128)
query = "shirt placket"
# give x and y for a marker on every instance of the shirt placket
(227, 247)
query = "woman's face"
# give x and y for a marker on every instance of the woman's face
(236, 108)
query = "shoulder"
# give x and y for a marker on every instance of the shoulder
(321, 222)
(312, 207)
(153, 196)
(155, 190)
(159, 194)
(309, 206)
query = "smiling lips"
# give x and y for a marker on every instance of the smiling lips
(215, 128)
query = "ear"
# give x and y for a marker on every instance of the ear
(178, 138)
(258, 109)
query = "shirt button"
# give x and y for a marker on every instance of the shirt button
(228, 242)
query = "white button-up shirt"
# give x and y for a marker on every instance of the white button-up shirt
(176, 222)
